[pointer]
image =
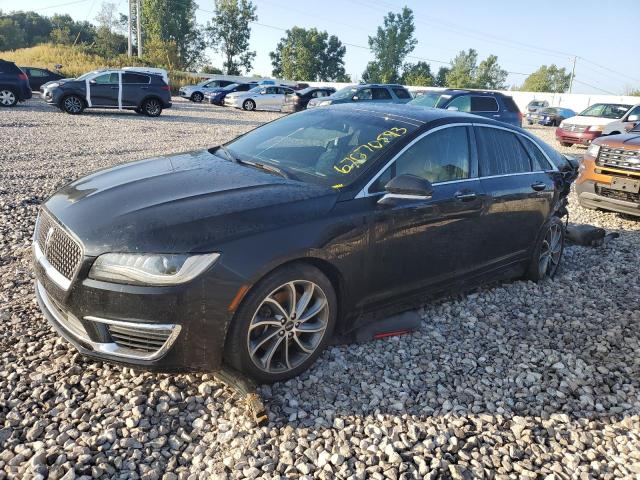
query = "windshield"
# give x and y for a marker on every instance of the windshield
(330, 147)
(606, 110)
(345, 92)
(231, 87)
(537, 104)
(548, 111)
(88, 74)
(433, 100)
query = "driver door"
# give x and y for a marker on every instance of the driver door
(104, 90)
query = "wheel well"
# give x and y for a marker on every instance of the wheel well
(614, 133)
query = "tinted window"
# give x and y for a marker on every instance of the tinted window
(441, 156)
(35, 72)
(605, 110)
(134, 78)
(271, 90)
(243, 88)
(538, 160)
(8, 67)
(500, 152)
(483, 104)
(364, 94)
(401, 92)
(107, 79)
(381, 94)
(462, 103)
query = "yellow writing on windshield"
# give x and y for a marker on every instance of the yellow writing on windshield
(360, 154)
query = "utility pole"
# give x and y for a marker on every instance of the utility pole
(573, 73)
(129, 44)
(139, 30)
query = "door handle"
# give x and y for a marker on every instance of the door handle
(466, 196)
(497, 116)
(115, 88)
(144, 88)
(539, 186)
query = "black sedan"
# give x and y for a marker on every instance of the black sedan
(256, 253)
(40, 76)
(298, 100)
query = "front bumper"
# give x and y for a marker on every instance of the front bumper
(588, 197)
(583, 138)
(233, 102)
(184, 94)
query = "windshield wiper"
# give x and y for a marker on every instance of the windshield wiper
(265, 167)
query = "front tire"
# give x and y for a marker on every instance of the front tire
(151, 107)
(548, 251)
(283, 324)
(8, 98)
(73, 105)
(197, 97)
(249, 105)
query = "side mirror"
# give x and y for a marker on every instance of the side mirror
(453, 109)
(92, 82)
(263, 91)
(633, 118)
(406, 187)
(355, 98)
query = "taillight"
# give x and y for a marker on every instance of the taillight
(520, 117)
(22, 76)
(165, 87)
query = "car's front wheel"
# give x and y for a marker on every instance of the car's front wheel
(249, 105)
(283, 324)
(152, 107)
(197, 97)
(548, 251)
(72, 104)
(8, 98)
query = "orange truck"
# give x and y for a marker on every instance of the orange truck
(609, 174)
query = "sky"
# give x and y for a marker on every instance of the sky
(524, 35)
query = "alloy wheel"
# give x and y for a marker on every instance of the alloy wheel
(72, 104)
(197, 97)
(288, 326)
(152, 107)
(551, 251)
(249, 105)
(7, 98)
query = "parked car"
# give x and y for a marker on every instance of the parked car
(494, 105)
(14, 84)
(589, 124)
(628, 121)
(550, 116)
(40, 76)
(534, 106)
(258, 251)
(195, 93)
(369, 93)
(298, 100)
(217, 97)
(262, 97)
(610, 174)
(146, 94)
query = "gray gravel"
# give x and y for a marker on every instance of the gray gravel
(514, 381)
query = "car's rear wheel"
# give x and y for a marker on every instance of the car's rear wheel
(197, 97)
(548, 251)
(8, 98)
(249, 105)
(283, 324)
(152, 107)
(72, 104)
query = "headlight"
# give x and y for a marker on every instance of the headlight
(53, 85)
(593, 150)
(595, 128)
(150, 269)
(324, 102)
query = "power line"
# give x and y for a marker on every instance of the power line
(59, 5)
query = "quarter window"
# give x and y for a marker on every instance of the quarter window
(135, 78)
(401, 92)
(501, 153)
(483, 104)
(538, 160)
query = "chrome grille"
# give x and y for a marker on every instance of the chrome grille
(139, 339)
(59, 248)
(567, 127)
(619, 158)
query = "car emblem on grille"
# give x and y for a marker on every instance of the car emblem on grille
(47, 240)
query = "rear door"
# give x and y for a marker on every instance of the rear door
(520, 192)
(104, 90)
(135, 86)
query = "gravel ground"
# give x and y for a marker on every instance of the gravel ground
(514, 381)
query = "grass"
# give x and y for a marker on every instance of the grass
(76, 60)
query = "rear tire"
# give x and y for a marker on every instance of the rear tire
(249, 105)
(8, 98)
(547, 253)
(197, 97)
(271, 341)
(151, 107)
(73, 105)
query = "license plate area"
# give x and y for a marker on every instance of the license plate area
(625, 185)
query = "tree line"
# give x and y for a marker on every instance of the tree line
(173, 38)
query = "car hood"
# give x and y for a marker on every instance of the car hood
(590, 121)
(189, 202)
(628, 140)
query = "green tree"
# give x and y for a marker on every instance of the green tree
(11, 35)
(229, 33)
(210, 69)
(67, 30)
(418, 74)
(547, 79)
(309, 55)
(489, 74)
(34, 28)
(108, 42)
(462, 73)
(172, 25)
(441, 77)
(391, 45)
(633, 92)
